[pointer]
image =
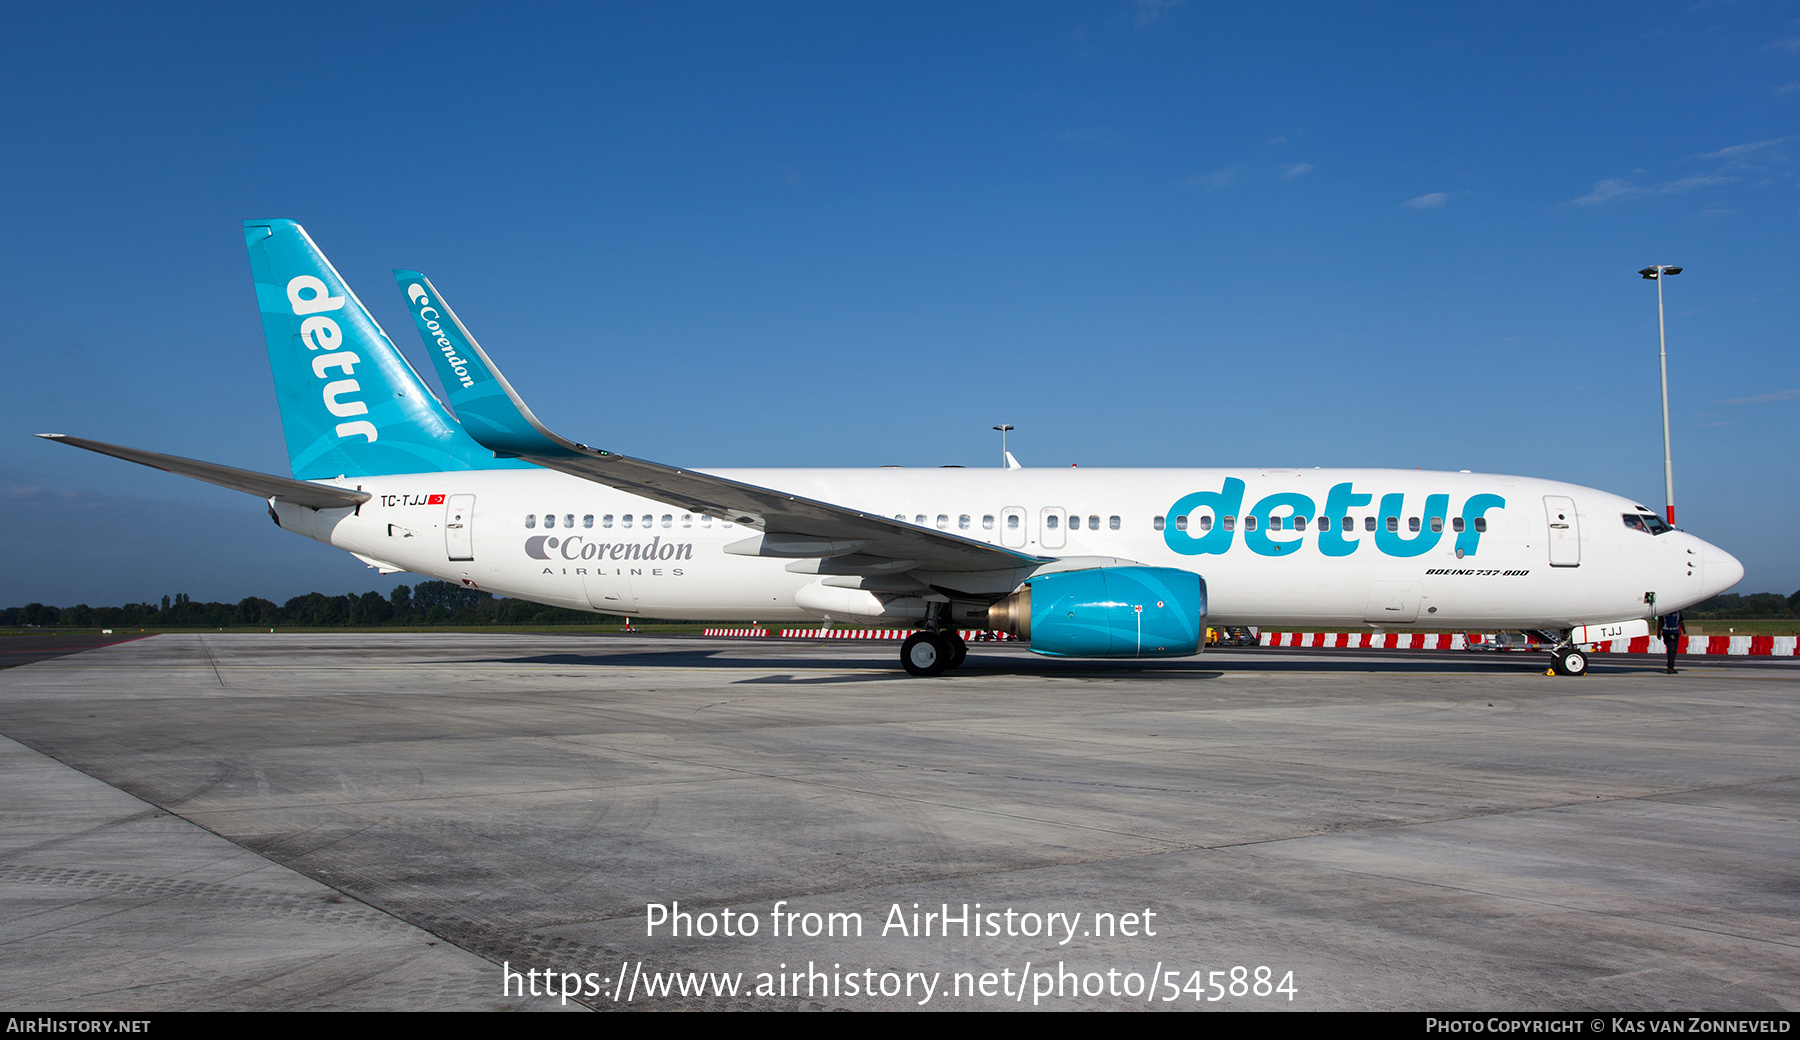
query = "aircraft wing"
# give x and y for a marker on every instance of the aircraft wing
(492, 412)
(262, 485)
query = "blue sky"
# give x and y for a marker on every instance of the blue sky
(1162, 234)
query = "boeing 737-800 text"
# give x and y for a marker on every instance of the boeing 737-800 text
(1081, 562)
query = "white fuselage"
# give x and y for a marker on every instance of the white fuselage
(1531, 566)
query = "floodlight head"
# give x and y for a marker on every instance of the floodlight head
(1649, 273)
(1671, 270)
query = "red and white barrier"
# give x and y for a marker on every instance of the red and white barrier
(1752, 646)
(1367, 640)
(1737, 646)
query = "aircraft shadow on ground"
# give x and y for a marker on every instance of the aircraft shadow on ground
(784, 667)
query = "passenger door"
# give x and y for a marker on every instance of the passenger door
(459, 527)
(1565, 531)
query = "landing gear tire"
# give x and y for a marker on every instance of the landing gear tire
(925, 654)
(959, 650)
(1568, 662)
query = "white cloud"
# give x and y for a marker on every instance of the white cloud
(1790, 44)
(1779, 395)
(1613, 189)
(1149, 11)
(1434, 200)
(1215, 180)
(1293, 170)
(1738, 150)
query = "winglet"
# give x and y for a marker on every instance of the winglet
(485, 403)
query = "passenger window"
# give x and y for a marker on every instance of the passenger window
(1437, 525)
(1113, 522)
(587, 521)
(1324, 523)
(1393, 523)
(1012, 523)
(987, 522)
(1093, 523)
(1157, 523)
(549, 519)
(705, 520)
(625, 521)
(687, 519)
(1299, 523)
(606, 521)
(1412, 524)
(1369, 524)
(920, 519)
(530, 521)
(1231, 523)
(1181, 523)
(569, 520)
(1205, 521)
(668, 520)
(1050, 521)
(943, 521)
(1456, 525)
(962, 522)
(1250, 522)
(1481, 525)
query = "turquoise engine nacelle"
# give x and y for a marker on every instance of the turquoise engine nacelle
(1108, 612)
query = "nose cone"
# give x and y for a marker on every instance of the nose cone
(1719, 570)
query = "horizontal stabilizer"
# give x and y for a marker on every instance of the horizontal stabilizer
(262, 485)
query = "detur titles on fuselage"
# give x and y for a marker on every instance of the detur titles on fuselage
(1080, 562)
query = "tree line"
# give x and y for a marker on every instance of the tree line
(428, 603)
(1753, 605)
(442, 603)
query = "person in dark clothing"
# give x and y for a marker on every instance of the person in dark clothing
(1671, 637)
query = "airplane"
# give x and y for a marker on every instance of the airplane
(1098, 563)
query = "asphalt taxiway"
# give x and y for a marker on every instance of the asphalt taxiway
(385, 821)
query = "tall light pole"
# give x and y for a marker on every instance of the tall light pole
(1003, 427)
(1655, 274)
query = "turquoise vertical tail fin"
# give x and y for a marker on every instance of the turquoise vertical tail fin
(351, 405)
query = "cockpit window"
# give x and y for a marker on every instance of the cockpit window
(1649, 523)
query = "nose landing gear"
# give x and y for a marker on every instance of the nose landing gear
(1567, 660)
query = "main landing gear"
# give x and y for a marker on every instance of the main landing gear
(933, 652)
